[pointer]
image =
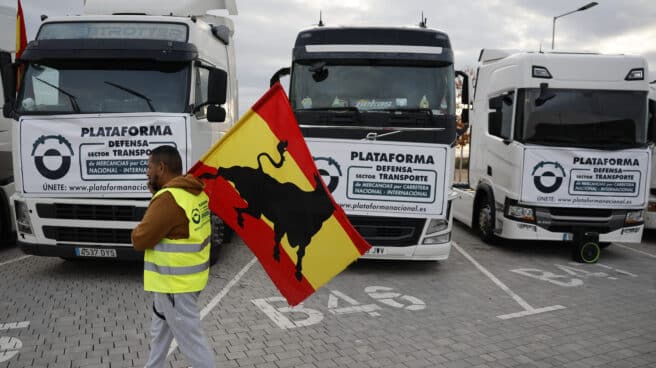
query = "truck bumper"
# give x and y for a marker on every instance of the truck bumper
(522, 231)
(68, 251)
(423, 252)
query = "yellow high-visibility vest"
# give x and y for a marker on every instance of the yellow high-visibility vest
(181, 265)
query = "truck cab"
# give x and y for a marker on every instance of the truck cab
(376, 106)
(97, 93)
(558, 149)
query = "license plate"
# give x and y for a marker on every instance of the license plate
(376, 250)
(95, 252)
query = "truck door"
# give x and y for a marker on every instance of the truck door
(501, 162)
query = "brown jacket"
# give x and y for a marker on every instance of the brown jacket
(164, 218)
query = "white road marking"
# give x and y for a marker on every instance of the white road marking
(14, 260)
(217, 298)
(13, 325)
(636, 250)
(528, 309)
(617, 270)
(10, 346)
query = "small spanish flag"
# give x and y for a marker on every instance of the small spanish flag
(21, 34)
(21, 40)
(262, 181)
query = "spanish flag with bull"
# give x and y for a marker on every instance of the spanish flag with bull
(262, 181)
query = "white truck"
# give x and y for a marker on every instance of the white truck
(7, 43)
(558, 149)
(376, 106)
(98, 92)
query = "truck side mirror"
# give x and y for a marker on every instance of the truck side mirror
(217, 87)
(494, 123)
(8, 74)
(216, 114)
(496, 103)
(280, 73)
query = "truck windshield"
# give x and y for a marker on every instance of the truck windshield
(373, 88)
(582, 118)
(103, 87)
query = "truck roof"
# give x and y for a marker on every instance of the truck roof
(392, 44)
(416, 36)
(181, 8)
(507, 69)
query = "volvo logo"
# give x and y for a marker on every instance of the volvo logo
(329, 170)
(52, 156)
(548, 176)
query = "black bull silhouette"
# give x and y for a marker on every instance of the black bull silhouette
(293, 211)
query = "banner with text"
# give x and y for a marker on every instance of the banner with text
(582, 178)
(95, 155)
(395, 179)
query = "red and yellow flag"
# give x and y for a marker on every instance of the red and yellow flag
(21, 34)
(21, 41)
(262, 181)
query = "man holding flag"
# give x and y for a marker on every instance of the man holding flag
(175, 234)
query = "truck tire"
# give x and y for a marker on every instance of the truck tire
(485, 220)
(216, 238)
(586, 252)
(6, 235)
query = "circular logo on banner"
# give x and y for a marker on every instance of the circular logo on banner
(548, 176)
(52, 156)
(329, 170)
(195, 215)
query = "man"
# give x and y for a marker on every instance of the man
(175, 234)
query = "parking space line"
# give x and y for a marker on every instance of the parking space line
(528, 309)
(636, 250)
(217, 298)
(14, 260)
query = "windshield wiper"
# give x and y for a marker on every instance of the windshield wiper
(72, 98)
(426, 111)
(134, 93)
(353, 109)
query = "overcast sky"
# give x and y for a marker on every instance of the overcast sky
(266, 30)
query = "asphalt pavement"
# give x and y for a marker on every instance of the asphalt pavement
(517, 304)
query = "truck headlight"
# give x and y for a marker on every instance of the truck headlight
(437, 239)
(521, 213)
(633, 217)
(23, 223)
(435, 226)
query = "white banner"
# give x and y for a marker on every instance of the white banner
(394, 179)
(583, 178)
(95, 156)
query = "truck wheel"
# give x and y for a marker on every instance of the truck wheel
(586, 252)
(485, 220)
(216, 238)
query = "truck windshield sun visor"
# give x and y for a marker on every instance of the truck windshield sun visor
(157, 50)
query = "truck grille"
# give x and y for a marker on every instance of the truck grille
(90, 212)
(87, 235)
(579, 219)
(389, 231)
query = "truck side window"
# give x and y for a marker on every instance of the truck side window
(500, 120)
(202, 78)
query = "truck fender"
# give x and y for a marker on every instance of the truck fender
(483, 189)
